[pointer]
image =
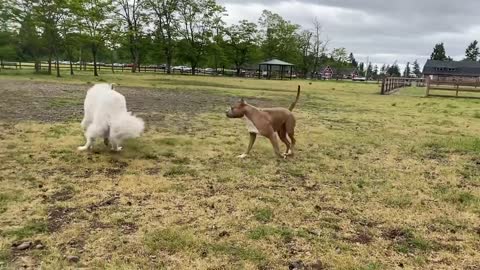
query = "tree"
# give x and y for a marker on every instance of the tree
(383, 69)
(319, 46)
(241, 41)
(406, 72)
(166, 12)
(280, 38)
(198, 18)
(340, 55)
(51, 15)
(394, 70)
(416, 69)
(352, 60)
(375, 72)
(132, 14)
(472, 52)
(439, 53)
(93, 20)
(361, 69)
(369, 72)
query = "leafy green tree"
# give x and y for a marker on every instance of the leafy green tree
(280, 38)
(133, 16)
(94, 22)
(340, 56)
(199, 18)
(29, 43)
(472, 52)
(439, 53)
(166, 26)
(241, 41)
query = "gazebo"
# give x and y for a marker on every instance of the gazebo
(281, 65)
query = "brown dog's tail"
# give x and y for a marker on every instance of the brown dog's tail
(296, 100)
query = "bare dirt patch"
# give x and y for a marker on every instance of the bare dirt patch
(55, 102)
(58, 217)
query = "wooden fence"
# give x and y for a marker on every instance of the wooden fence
(116, 68)
(391, 85)
(471, 86)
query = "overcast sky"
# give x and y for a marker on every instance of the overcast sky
(385, 31)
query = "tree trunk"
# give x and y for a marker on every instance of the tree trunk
(80, 59)
(71, 67)
(94, 54)
(194, 67)
(50, 64)
(169, 61)
(57, 64)
(113, 70)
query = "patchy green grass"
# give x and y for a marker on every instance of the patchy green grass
(377, 182)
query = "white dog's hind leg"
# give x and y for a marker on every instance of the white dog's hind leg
(87, 145)
(115, 145)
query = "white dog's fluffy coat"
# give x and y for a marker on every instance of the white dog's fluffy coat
(106, 116)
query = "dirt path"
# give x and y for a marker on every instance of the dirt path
(55, 102)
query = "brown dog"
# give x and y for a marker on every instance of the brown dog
(267, 122)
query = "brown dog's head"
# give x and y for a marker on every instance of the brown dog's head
(237, 110)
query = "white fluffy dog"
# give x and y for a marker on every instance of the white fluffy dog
(106, 117)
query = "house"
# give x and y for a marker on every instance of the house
(452, 70)
(329, 72)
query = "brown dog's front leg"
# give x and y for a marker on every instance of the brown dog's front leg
(276, 148)
(253, 136)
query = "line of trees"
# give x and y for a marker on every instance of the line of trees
(472, 52)
(139, 32)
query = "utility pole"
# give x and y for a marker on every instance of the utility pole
(366, 71)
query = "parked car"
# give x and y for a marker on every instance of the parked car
(209, 70)
(359, 79)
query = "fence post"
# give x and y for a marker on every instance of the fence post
(427, 93)
(383, 87)
(1, 64)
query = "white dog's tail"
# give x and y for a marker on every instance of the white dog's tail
(127, 126)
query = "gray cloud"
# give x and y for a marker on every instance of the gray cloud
(384, 31)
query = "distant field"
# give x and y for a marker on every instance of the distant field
(378, 182)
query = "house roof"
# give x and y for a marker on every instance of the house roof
(454, 68)
(342, 71)
(276, 62)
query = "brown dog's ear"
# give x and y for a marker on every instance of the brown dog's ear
(242, 101)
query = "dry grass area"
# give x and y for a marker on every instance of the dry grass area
(378, 182)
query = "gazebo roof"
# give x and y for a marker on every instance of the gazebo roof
(276, 62)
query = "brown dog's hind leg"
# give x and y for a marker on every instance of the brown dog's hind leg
(290, 129)
(274, 141)
(282, 133)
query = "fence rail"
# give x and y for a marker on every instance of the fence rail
(112, 68)
(451, 86)
(391, 85)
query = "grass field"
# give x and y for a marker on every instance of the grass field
(378, 182)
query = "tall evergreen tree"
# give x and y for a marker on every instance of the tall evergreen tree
(472, 52)
(361, 69)
(406, 72)
(416, 69)
(439, 53)
(352, 60)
